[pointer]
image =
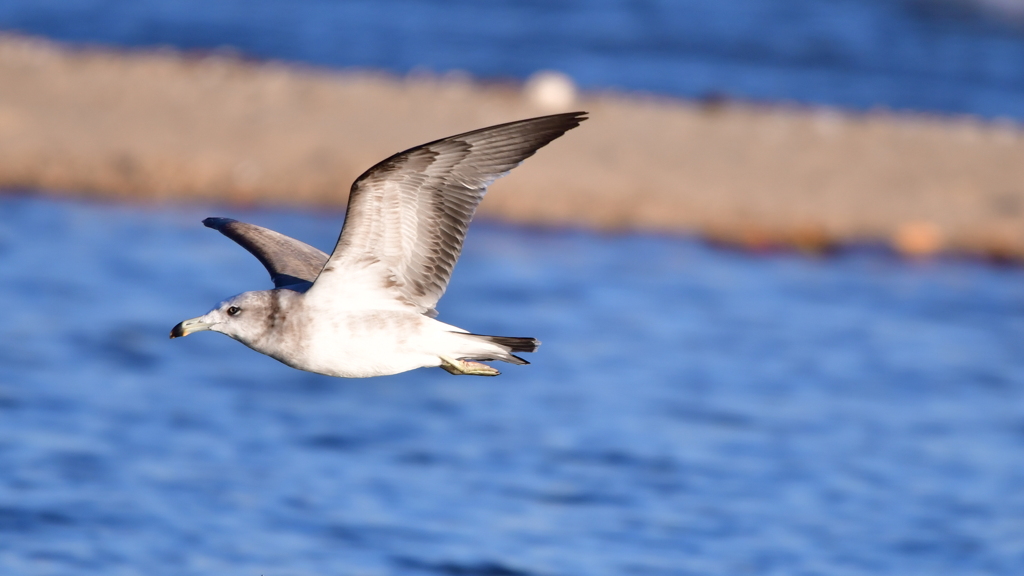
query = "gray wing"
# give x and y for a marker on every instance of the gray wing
(407, 216)
(291, 263)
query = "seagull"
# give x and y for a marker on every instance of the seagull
(368, 309)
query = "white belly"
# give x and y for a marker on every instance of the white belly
(369, 343)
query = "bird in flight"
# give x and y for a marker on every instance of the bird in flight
(368, 308)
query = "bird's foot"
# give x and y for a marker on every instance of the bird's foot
(453, 366)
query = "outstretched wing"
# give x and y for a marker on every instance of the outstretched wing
(407, 216)
(291, 263)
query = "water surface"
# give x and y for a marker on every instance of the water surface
(691, 411)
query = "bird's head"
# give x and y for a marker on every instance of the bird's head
(243, 317)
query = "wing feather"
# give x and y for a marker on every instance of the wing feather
(291, 263)
(408, 215)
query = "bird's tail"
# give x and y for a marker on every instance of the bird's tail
(507, 345)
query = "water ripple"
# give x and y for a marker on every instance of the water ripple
(705, 413)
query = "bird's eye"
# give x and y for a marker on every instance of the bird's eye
(234, 310)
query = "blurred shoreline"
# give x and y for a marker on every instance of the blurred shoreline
(170, 126)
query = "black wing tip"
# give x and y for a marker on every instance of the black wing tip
(552, 124)
(548, 128)
(217, 223)
(564, 121)
(574, 119)
(577, 116)
(580, 115)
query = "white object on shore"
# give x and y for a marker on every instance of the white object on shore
(368, 308)
(550, 90)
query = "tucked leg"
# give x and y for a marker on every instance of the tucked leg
(453, 366)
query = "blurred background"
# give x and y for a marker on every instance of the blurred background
(776, 275)
(957, 56)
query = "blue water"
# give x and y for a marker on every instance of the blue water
(948, 56)
(692, 411)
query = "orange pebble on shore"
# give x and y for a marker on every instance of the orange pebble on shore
(917, 239)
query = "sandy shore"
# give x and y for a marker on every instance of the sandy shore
(165, 126)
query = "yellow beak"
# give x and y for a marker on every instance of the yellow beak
(187, 327)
